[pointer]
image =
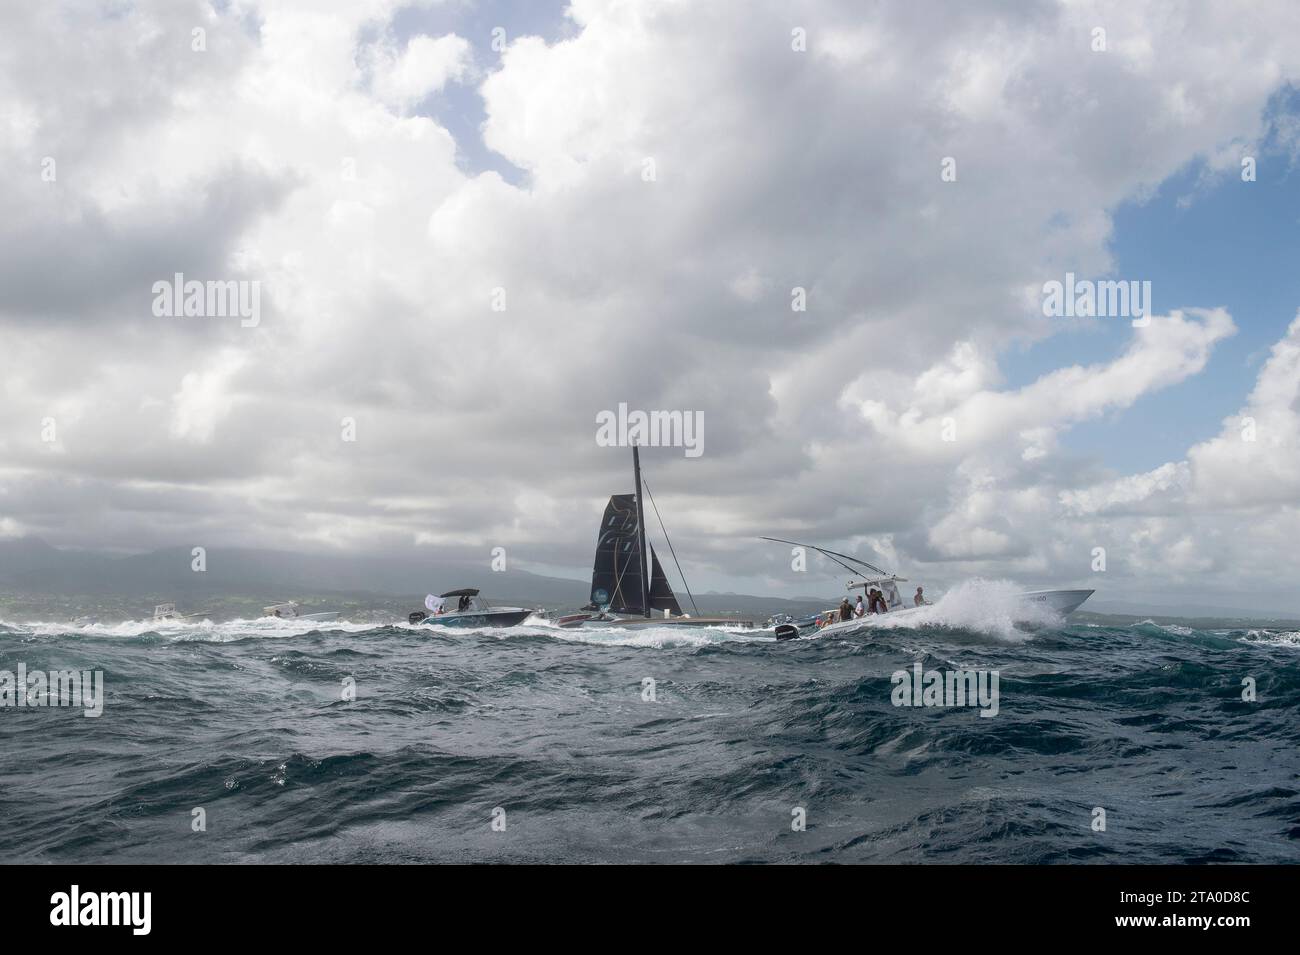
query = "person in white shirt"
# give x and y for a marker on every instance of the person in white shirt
(919, 600)
(859, 609)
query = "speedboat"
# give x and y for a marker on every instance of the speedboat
(629, 589)
(289, 611)
(472, 611)
(169, 612)
(1061, 602)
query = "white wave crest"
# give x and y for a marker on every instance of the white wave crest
(658, 637)
(194, 629)
(1274, 638)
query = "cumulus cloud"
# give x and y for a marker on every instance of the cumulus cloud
(1255, 460)
(204, 399)
(1166, 351)
(295, 151)
(403, 78)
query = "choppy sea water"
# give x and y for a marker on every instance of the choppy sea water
(550, 732)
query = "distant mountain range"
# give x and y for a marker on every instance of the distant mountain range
(1188, 610)
(32, 566)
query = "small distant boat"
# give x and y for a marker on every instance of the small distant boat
(169, 612)
(472, 611)
(872, 577)
(289, 611)
(628, 584)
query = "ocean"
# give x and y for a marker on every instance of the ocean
(268, 741)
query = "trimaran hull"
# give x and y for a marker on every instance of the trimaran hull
(647, 623)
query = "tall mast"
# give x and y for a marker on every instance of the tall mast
(640, 533)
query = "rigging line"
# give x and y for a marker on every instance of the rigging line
(852, 570)
(618, 582)
(832, 554)
(618, 576)
(670, 547)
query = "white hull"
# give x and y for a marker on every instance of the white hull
(289, 611)
(1058, 601)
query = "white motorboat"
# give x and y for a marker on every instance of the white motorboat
(1060, 602)
(169, 612)
(289, 611)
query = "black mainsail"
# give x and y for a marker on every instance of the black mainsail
(616, 577)
(627, 578)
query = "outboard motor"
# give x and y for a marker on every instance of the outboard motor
(417, 616)
(786, 631)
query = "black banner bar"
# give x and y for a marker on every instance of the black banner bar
(142, 904)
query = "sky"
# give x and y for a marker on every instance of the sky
(473, 228)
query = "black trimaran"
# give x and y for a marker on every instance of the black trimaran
(627, 582)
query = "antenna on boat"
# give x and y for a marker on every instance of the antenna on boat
(640, 533)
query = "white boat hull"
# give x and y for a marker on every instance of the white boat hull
(289, 611)
(1059, 601)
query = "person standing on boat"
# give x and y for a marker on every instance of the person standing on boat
(846, 611)
(858, 609)
(919, 600)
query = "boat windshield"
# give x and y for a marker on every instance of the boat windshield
(887, 586)
(464, 604)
